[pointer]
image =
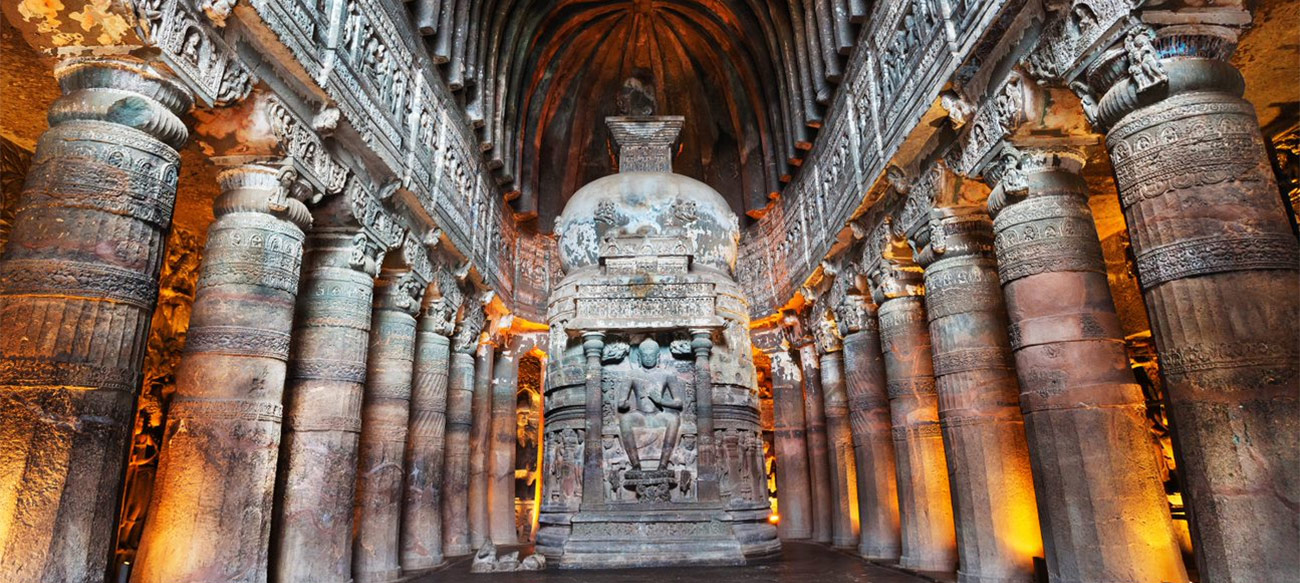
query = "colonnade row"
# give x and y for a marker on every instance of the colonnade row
(338, 412)
(971, 396)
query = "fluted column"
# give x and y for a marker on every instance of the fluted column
(926, 521)
(1105, 515)
(873, 445)
(501, 462)
(312, 532)
(385, 415)
(460, 404)
(78, 286)
(210, 515)
(979, 413)
(793, 491)
(1217, 264)
(425, 446)
(480, 443)
(841, 466)
(819, 472)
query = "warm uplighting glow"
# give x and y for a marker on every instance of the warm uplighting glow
(774, 519)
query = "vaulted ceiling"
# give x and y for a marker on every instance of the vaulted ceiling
(538, 77)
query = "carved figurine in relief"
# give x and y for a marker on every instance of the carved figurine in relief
(648, 401)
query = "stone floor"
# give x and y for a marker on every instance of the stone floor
(799, 563)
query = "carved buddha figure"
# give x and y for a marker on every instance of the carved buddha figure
(648, 401)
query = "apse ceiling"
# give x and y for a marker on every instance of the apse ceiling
(538, 77)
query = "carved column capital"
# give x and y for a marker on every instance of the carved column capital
(954, 232)
(262, 188)
(469, 328)
(1011, 173)
(825, 331)
(855, 313)
(125, 92)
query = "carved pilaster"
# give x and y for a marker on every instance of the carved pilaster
(983, 431)
(1217, 263)
(385, 416)
(839, 438)
(480, 442)
(1106, 516)
(78, 284)
(928, 538)
(327, 373)
(223, 427)
(502, 441)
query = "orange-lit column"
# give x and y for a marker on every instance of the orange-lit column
(312, 533)
(1217, 263)
(425, 447)
(210, 515)
(873, 445)
(819, 472)
(1105, 514)
(841, 466)
(979, 400)
(460, 404)
(928, 533)
(385, 415)
(480, 444)
(793, 492)
(78, 285)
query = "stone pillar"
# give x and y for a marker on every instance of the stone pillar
(1217, 265)
(1105, 513)
(793, 492)
(422, 506)
(501, 466)
(210, 515)
(480, 444)
(873, 446)
(925, 510)
(78, 285)
(385, 414)
(983, 430)
(592, 489)
(327, 370)
(841, 467)
(708, 447)
(819, 472)
(460, 403)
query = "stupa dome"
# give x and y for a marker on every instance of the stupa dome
(646, 198)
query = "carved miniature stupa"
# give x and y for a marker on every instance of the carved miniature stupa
(649, 332)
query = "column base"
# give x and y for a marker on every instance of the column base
(457, 551)
(378, 576)
(885, 555)
(964, 577)
(926, 564)
(422, 564)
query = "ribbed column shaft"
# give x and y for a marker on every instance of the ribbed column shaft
(979, 413)
(78, 287)
(1104, 512)
(385, 416)
(312, 531)
(819, 471)
(480, 444)
(425, 442)
(873, 444)
(210, 515)
(455, 489)
(839, 449)
(1217, 263)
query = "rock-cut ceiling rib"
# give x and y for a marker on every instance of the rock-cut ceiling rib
(538, 77)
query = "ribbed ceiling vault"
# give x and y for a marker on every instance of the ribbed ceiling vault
(538, 77)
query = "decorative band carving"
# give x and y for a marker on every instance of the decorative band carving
(923, 430)
(328, 370)
(225, 411)
(867, 402)
(1064, 328)
(1202, 357)
(1186, 141)
(1208, 255)
(23, 372)
(969, 359)
(92, 281)
(915, 386)
(388, 390)
(300, 422)
(375, 433)
(963, 300)
(238, 341)
(248, 273)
